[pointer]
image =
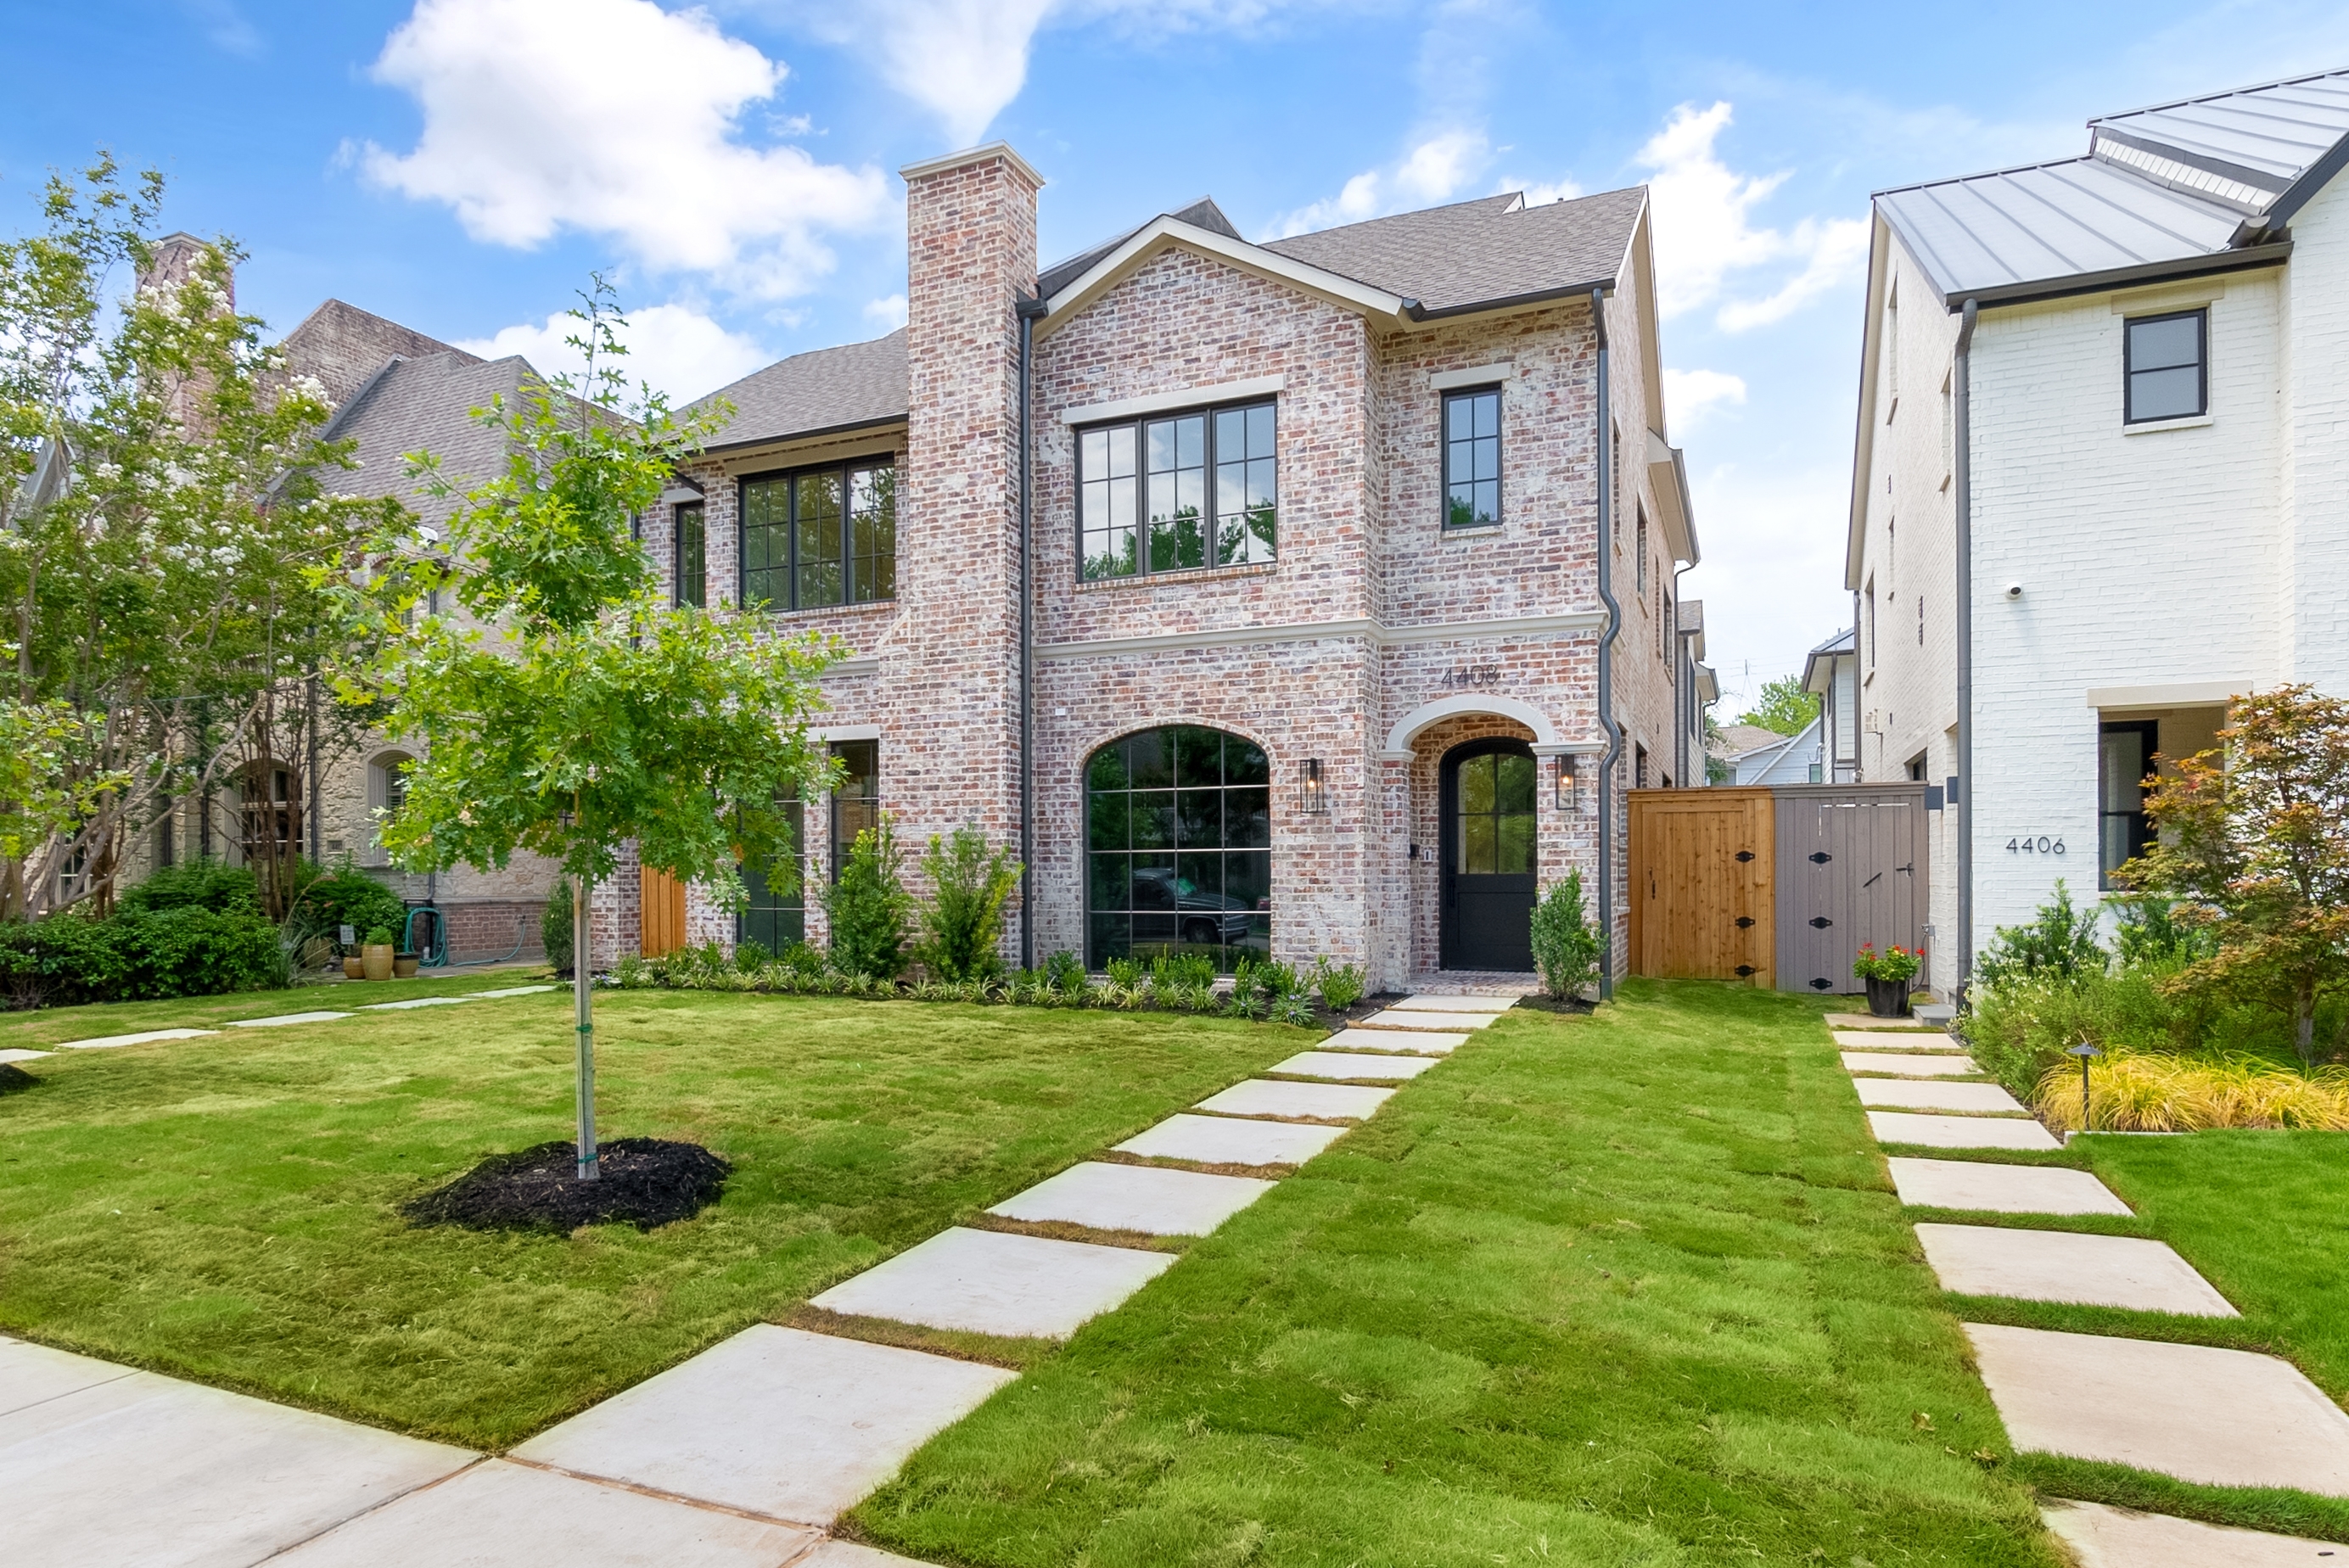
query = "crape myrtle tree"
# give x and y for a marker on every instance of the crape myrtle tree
(574, 710)
(165, 504)
(2254, 845)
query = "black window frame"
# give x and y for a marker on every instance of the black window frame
(1156, 824)
(788, 526)
(2200, 316)
(776, 921)
(1491, 389)
(1212, 462)
(859, 792)
(699, 598)
(2141, 832)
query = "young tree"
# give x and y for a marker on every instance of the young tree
(1784, 707)
(2254, 844)
(592, 712)
(963, 922)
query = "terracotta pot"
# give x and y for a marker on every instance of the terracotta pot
(403, 967)
(375, 961)
(1888, 998)
(352, 967)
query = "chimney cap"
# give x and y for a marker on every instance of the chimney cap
(993, 149)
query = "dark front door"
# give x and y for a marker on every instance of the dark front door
(1489, 853)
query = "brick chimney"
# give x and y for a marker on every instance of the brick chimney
(173, 261)
(970, 236)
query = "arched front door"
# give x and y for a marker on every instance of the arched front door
(1490, 851)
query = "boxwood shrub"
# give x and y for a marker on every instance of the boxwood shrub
(139, 956)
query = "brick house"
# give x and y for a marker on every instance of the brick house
(1258, 591)
(2099, 480)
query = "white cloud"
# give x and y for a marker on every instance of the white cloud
(1689, 394)
(1430, 173)
(675, 347)
(537, 119)
(887, 312)
(1704, 233)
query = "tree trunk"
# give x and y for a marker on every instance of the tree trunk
(2303, 1021)
(582, 996)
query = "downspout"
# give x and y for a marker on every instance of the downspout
(1961, 441)
(1029, 311)
(1604, 434)
(1684, 683)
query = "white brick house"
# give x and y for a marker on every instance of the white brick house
(1271, 620)
(2101, 478)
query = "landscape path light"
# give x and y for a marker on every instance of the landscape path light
(2085, 1052)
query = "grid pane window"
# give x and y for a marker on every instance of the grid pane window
(2167, 365)
(1472, 458)
(1497, 815)
(1178, 836)
(1144, 502)
(775, 917)
(856, 804)
(692, 574)
(825, 537)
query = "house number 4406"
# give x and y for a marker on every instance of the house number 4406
(2027, 845)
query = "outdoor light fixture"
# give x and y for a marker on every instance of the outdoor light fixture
(1568, 782)
(1315, 796)
(2084, 1051)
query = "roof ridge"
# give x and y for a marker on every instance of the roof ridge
(2212, 98)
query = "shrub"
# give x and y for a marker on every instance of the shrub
(802, 961)
(962, 927)
(2150, 933)
(140, 955)
(869, 907)
(750, 956)
(345, 896)
(2059, 941)
(1341, 984)
(554, 926)
(1565, 948)
(1064, 973)
(1277, 980)
(2128, 1092)
(195, 885)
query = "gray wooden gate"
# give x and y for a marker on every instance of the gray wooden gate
(1853, 864)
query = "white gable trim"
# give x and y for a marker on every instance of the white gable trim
(1163, 234)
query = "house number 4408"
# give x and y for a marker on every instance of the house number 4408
(2027, 845)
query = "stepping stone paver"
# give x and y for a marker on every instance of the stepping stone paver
(2223, 1417)
(510, 991)
(1413, 1018)
(988, 1281)
(1413, 1042)
(133, 1467)
(1959, 1131)
(504, 1515)
(1146, 1198)
(1920, 1064)
(1340, 1065)
(1908, 1094)
(414, 1002)
(774, 1421)
(2104, 1537)
(2057, 1265)
(2002, 1189)
(22, 1055)
(1324, 1101)
(1231, 1140)
(285, 1018)
(1926, 1040)
(146, 1036)
(1427, 1003)
(1871, 1021)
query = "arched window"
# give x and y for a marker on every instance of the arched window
(1178, 835)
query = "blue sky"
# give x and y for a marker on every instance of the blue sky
(460, 165)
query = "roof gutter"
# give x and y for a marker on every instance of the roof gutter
(1418, 312)
(1601, 433)
(881, 422)
(1962, 788)
(2270, 254)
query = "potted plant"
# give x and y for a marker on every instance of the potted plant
(1887, 974)
(375, 957)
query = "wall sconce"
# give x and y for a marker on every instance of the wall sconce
(1314, 796)
(1568, 782)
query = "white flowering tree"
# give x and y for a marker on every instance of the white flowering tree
(164, 516)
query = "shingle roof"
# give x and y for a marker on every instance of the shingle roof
(423, 405)
(1202, 214)
(824, 389)
(1480, 252)
(2161, 188)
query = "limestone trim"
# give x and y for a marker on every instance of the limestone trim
(991, 150)
(1461, 704)
(1189, 398)
(1317, 631)
(2174, 693)
(1475, 376)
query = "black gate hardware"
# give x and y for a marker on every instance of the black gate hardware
(1744, 921)
(1910, 868)
(1822, 985)
(1743, 970)
(1819, 857)
(1820, 923)
(1743, 855)
(1872, 881)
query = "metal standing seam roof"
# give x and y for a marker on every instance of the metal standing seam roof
(2168, 185)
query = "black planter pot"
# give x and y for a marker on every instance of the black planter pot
(1888, 998)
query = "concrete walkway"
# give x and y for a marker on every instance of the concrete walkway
(2223, 1417)
(743, 1456)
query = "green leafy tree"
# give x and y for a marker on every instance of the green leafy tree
(962, 925)
(2254, 845)
(575, 711)
(1566, 946)
(1784, 707)
(868, 907)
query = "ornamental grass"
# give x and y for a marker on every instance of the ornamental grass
(2133, 1092)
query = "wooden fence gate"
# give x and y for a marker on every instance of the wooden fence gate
(660, 913)
(1777, 885)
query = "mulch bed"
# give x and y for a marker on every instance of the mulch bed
(1552, 1005)
(644, 1182)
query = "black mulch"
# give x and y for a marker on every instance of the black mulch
(1554, 1004)
(645, 1181)
(14, 1077)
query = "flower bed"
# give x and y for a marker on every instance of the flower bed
(2132, 1092)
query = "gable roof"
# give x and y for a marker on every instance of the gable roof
(2192, 186)
(851, 387)
(425, 405)
(343, 345)
(1479, 254)
(1201, 214)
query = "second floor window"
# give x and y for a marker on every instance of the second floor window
(2165, 366)
(1472, 458)
(1175, 493)
(823, 537)
(692, 561)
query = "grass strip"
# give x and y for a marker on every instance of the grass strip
(2280, 1510)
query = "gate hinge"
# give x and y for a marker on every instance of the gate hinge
(1744, 856)
(1819, 857)
(1744, 921)
(1820, 923)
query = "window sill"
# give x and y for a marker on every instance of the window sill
(2149, 426)
(869, 607)
(1189, 574)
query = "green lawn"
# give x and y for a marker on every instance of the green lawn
(223, 1208)
(1626, 1289)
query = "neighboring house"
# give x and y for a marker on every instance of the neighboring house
(2099, 480)
(1301, 541)
(1831, 674)
(1780, 759)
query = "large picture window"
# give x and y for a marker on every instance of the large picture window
(2165, 366)
(821, 537)
(1178, 834)
(1472, 458)
(1177, 492)
(2125, 765)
